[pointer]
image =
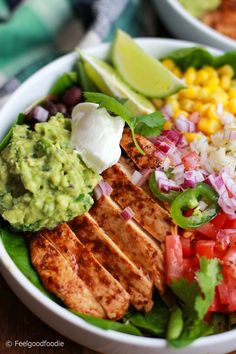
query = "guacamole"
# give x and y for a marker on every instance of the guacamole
(43, 181)
(198, 8)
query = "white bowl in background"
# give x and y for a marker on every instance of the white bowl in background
(54, 315)
(185, 26)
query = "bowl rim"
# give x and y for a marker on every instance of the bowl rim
(10, 268)
(194, 21)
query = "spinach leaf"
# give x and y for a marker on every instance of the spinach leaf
(147, 125)
(20, 120)
(63, 82)
(154, 322)
(197, 57)
(16, 246)
(196, 298)
(125, 327)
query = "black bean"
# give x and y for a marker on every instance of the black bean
(61, 107)
(72, 96)
(50, 107)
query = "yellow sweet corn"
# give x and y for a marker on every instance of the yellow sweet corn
(191, 136)
(169, 64)
(232, 105)
(168, 125)
(158, 103)
(206, 87)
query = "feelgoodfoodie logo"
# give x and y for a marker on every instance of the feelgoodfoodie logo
(32, 344)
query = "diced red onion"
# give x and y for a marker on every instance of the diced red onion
(127, 213)
(39, 113)
(229, 134)
(166, 185)
(223, 238)
(229, 182)
(219, 109)
(227, 118)
(172, 135)
(136, 177)
(179, 174)
(175, 157)
(217, 183)
(167, 111)
(166, 164)
(194, 117)
(191, 178)
(160, 155)
(184, 125)
(102, 188)
(160, 174)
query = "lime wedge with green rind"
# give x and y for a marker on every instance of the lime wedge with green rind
(108, 81)
(141, 71)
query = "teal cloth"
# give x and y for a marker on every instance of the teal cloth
(29, 34)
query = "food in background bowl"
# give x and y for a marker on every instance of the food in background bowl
(218, 14)
(159, 201)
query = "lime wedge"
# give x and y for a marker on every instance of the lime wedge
(141, 71)
(109, 82)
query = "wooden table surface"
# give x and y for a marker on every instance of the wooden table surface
(18, 323)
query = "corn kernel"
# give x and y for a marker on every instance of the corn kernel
(225, 82)
(197, 106)
(190, 92)
(203, 108)
(226, 70)
(174, 105)
(232, 105)
(158, 103)
(232, 93)
(213, 82)
(209, 126)
(187, 105)
(190, 75)
(191, 136)
(177, 72)
(204, 94)
(167, 125)
(180, 112)
(211, 71)
(169, 64)
(211, 112)
(201, 77)
(219, 96)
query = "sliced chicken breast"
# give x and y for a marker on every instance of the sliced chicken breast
(114, 260)
(105, 288)
(59, 278)
(148, 160)
(147, 212)
(131, 239)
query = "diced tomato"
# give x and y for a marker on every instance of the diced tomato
(190, 160)
(229, 262)
(209, 230)
(223, 240)
(205, 248)
(190, 267)
(232, 294)
(219, 220)
(216, 305)
(230, 224)
(186, 246)
(174, 258)
(223, 292)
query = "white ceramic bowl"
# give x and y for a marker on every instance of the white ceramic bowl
(183, 25)
(57, 317)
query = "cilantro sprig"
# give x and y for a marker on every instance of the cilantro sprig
(146, 125)
(195, 299)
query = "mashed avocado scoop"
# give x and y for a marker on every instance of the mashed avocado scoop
(43, 181)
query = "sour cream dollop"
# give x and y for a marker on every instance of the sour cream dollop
(96, 135)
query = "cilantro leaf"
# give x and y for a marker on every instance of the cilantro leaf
(147, 125)
(150, 125)
(195, 300)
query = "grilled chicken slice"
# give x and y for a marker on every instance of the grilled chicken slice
(107, 290)
(147, 212)
(131, 239)
(114, 260)
(59, 278)
(148, 160)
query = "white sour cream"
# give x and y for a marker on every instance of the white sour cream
(96, 135)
